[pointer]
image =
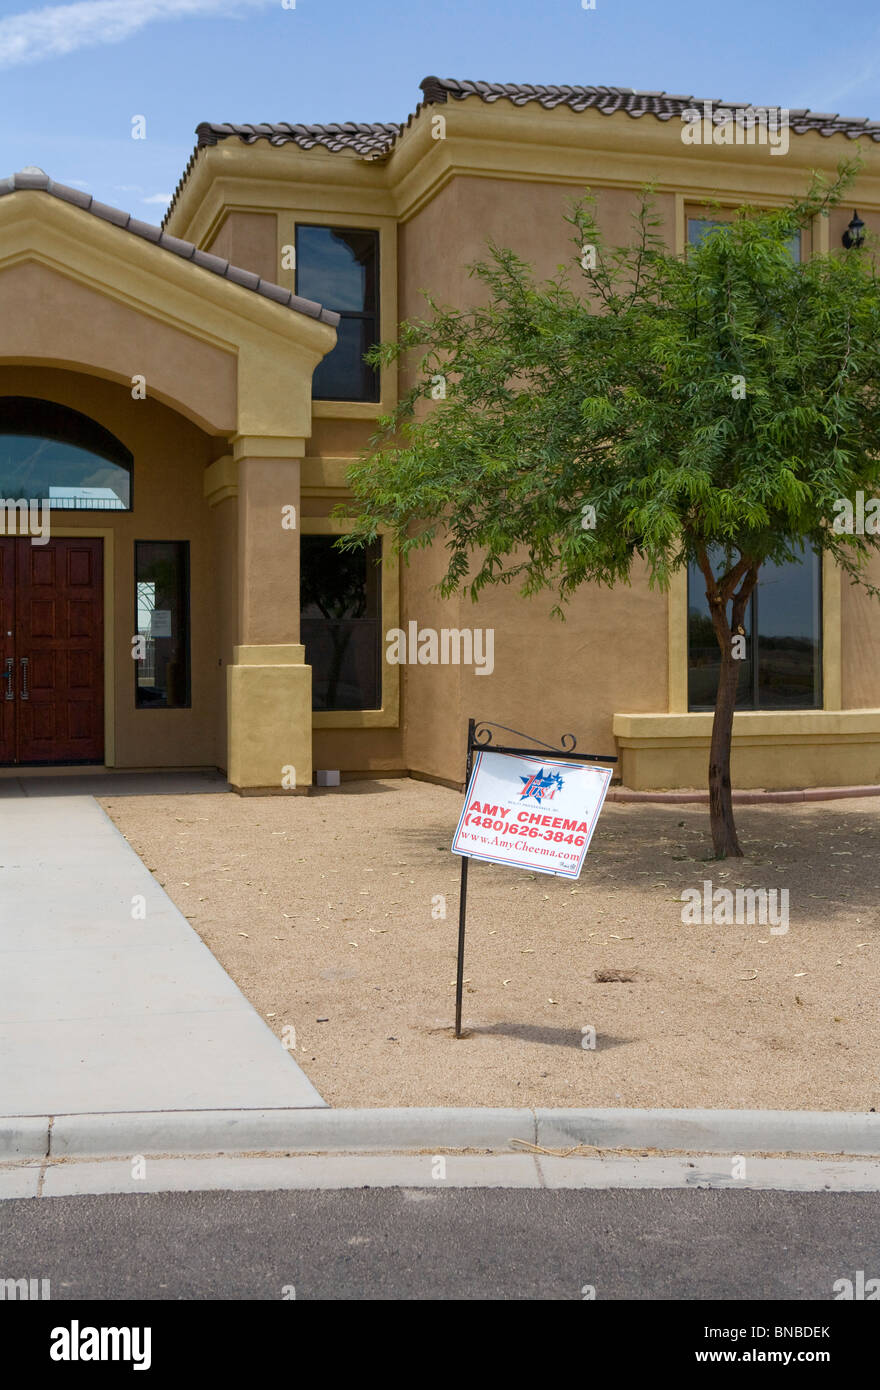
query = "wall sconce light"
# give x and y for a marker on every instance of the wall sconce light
(855, 232)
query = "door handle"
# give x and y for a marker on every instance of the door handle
(9, 677)
(24, 678)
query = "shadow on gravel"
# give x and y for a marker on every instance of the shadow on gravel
(552, 1037)
(828, 857)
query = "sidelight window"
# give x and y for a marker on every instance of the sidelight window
(162, 665)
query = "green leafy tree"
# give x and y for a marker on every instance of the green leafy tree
(709, 408)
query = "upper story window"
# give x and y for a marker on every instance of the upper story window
(339, 267)
(698, 227)
(50, 453)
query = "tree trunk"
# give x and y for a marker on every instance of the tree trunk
(720, 593)
(724, 840)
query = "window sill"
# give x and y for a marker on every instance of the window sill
(348, 410)
(355, 719)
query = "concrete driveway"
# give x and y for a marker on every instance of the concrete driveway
(109, 1001)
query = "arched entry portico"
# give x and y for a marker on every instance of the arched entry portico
(198, 372)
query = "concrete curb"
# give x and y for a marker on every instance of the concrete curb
(713, 1131)
(301, 1130)
(337, 1172)
(24, 1136)
(435, 1130)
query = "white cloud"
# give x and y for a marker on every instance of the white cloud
(56, 30)
(158, 198)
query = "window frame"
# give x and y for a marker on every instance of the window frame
(388, 717)
(187, 585)
(722, 216)
(354, 314)
(104, 444)
(716, 216)
(753, 617)
(329, 540)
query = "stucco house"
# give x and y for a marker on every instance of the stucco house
(178, 408)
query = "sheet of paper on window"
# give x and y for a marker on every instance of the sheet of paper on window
(160, 622)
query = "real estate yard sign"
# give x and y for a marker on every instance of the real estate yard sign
(528, 811)
(531, 812)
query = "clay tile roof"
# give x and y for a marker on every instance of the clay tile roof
(367, 140)
(375, 140)
(608, 100)
(363, 139)
(35, 180)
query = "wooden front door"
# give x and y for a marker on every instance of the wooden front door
(8, 546)
(51, 651)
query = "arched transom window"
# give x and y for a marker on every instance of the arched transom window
(50, 453)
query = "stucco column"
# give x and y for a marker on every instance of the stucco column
(269, 684)
(268, 550)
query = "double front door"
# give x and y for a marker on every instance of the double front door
(51, 651)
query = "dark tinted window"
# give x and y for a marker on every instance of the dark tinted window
(51, 453)
(339, 268)
(340, 617)
(783, 625)
(788, 611)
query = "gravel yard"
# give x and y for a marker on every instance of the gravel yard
(326, 911)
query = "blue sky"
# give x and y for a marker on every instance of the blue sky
(72, 76)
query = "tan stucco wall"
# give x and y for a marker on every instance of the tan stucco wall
(268, 551)
(432, 703)
(269, 701)
(550, 677)
(249, 240)
(224, 536)
(333, 438)
(44, 313)
(452, 231)
(358, 750)
(860, 638)
(170, 456)
(613, 652)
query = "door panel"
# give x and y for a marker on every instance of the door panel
(7, 649)
(58, 651)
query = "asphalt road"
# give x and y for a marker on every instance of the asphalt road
(474, 1244)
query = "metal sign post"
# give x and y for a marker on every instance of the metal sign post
(480, 736)
(462, 897)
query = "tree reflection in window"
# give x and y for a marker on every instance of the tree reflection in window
(781, 666)
(340, 615)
